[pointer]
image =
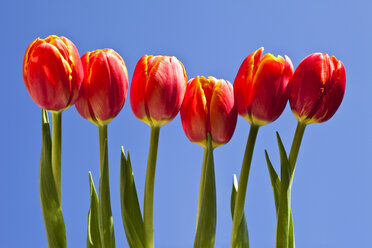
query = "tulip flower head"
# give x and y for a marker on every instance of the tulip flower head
(209, 107)
(318, 87)
(261, 87)
(104, 88)
(157, 89)
(52, 72)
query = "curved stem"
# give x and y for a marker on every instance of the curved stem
(148, 205)
(56, 150)
(295, 148)
(201, 187)
(243, 181)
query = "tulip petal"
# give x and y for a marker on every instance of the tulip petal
(243, 81)
(308, 85)
(333, 96)
(223, 114)
(266, 105)
(104, 89)
(194, 113)
(138, 87)
(164, 92)
(48, 77)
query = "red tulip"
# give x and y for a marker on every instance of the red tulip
(209, 107)
(157, 89)
(318, 87)
(104, 88)
(261, 87)
(52, 72)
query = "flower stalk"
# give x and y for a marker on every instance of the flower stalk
(243, 181)
(148, 207)
(56, 150)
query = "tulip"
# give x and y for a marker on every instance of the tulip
(208, 117)
(209, 107)
(157, 89)
(156, 94)
(318, 87)
(52, 72)
(102, 97)
(104, 88)
(261, 87)
(261, 90)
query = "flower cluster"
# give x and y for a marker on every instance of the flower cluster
(97, 83)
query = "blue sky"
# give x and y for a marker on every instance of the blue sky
(331, 197)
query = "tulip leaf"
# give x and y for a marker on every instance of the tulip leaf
(283, 216)
(276, 184)
(93, 236)
(291, 237)
(206, 227)
(130, 209)
(49, 199)
(105, 220)
(243, 238)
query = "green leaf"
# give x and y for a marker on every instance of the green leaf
(106, 223)
(276, 185)
(275, 182)
(93, 236)
(291, 237)
(49, 200)
(130, 209)
(282, 231)
(206, 228)
(243, 238)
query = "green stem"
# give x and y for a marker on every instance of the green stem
(296, 143)
(292, 159)
(243, 181)
(207, 219)
(56, 150)
(102, 134)
(105, 220)
(148, 205)
(201, 187)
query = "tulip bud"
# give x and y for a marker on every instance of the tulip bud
(318, 87)
(261, 87)
(52, 72)
(209, 107)
(104, 88)
(157, 89)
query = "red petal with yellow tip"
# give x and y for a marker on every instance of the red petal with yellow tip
(157, 89)
(52, 72)
(105, 86)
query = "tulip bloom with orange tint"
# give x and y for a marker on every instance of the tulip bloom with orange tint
(52, 72)
(261, 87)
(157, 89)
(104, 88)
(318, 87)
(209, 107)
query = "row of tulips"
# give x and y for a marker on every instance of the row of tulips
(97, 83)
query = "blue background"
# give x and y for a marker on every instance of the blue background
(332, 196)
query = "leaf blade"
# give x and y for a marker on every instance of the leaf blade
(243, 237)
(130, 209)
(50, 204)
(283, 219)
(93, 234)
(206, 227)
